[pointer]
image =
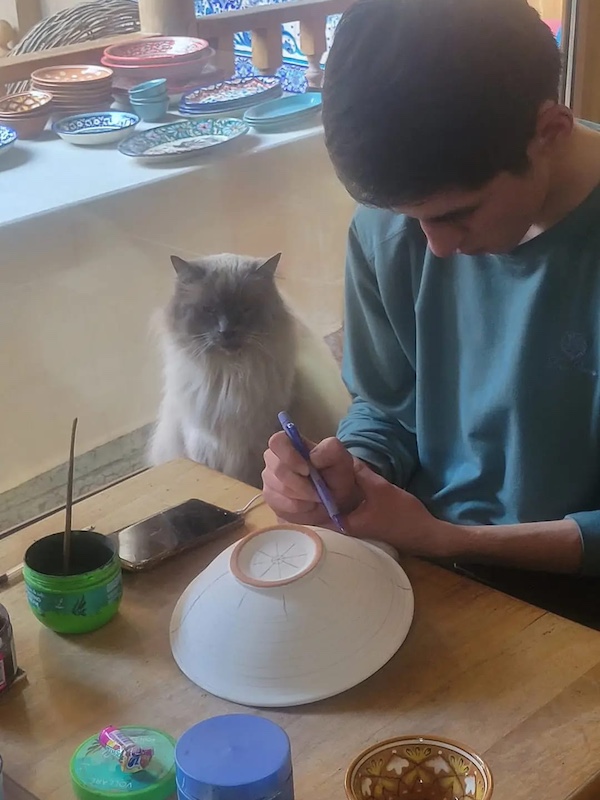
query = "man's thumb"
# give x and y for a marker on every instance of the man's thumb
(358, 522)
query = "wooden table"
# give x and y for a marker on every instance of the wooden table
(519, 685)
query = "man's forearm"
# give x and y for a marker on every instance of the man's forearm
(549, 546)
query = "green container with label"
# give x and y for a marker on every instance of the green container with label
(97, 775)
(88, 596)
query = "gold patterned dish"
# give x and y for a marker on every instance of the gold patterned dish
(27, 112)
(31, 102)
(418, 768)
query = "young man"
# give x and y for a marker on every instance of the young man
(472, 296)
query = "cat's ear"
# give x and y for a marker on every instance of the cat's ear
(269, 267)
(185, 271)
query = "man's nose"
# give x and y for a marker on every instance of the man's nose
(443, 239)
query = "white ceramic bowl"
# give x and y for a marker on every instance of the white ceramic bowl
(290, 615)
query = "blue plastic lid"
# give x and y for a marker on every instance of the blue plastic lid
(233, 757)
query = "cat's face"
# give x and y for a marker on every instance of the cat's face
(224, 303)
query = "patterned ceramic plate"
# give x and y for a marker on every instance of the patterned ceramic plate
(180, 140)
(93, 129)
(72, 73)
(232, 93)
(161, 50)
(8, 137)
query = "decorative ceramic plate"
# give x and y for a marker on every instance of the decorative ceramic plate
(160, 50)
(179, 140)
(72, 73)
(237, 91)
(291, 615)
(24, 103)
(96, 129)
(426, 767)
(284, 109)
(7, 138)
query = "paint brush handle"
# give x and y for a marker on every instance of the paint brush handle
(321, 487)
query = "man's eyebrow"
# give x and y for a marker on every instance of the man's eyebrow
(457, 213)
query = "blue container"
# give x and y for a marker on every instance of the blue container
(234, 757)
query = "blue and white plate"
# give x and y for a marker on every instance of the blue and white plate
(179, 140)
(230, 95)
(7, 138)
(105, 127)
(284, 110)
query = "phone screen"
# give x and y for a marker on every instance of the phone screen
(171, 531)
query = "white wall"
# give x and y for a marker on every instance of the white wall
(77, 289)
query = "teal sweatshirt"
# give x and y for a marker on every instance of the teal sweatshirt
(475, 378)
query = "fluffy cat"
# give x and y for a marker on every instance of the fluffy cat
(231, 353)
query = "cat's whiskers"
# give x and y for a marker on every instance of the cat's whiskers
(257, 342)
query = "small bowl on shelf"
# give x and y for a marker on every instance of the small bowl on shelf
(418, 768)
(26, 112)
(149, 89)
(152, 109)
(100, 128)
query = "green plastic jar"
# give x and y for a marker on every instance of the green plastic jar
(97, 775)
(86, 598)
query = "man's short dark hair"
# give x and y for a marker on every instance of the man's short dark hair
(425, 95)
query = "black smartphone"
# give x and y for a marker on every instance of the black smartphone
(147, 543)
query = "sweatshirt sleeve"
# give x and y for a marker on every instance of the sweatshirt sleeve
(588, 523)
(380, 425)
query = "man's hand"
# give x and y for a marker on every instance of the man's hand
(289, 491)
(390, 514)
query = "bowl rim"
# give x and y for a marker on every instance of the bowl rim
(142, 101)
(429, 738)
(111, 53)
(45, 99)
(134, 119)
(240, 575)
(144, 86)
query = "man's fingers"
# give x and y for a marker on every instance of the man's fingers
(278, 477)
(280, 446)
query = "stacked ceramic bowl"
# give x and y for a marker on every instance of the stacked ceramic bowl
(150, 100)
(75, 88)
(285, 113)
(26, 113)
(182, 61)
(230, 98)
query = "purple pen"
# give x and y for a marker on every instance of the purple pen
(322, 489)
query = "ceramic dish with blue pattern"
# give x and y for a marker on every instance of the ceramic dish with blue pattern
(179, 140)
(105, 127)
(7, 138)
(230, 95)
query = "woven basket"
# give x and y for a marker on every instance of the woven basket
(82, 23)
